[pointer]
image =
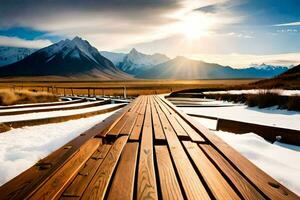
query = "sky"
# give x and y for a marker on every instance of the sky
(229, 32)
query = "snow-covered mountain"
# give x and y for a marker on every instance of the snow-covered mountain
(66, 58)
(115, 58)
(267, 67)
(185, 68)
(10, 55)
(136, 61)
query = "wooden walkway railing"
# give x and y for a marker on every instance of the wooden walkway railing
(147, 150)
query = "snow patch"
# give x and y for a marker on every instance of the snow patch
(267, 116)
(257, 91)
(281, 163)
(42, 115)
(21, 148)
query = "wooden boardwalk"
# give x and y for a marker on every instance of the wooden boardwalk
(147, 150)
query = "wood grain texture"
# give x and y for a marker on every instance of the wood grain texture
(269, 186)
(242, 185)
(135, 133)
(86, 173)
(187, 130)
(158, 131)
(170, 188)
(146, 185)
(213, 178)
(55, 185)
(98, 185)
(123, 182)
(132, 117)
(176, 126)
(191, 183)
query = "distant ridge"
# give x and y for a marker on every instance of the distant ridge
(66, 58)
(184, 68)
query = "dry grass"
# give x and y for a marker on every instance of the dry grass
(10, 97)
(115, 88)
(263, 99)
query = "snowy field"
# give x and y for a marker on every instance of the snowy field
(42, 115)
(49, 107)
(281, 161)
(267, 116)
(23, 147)
(256, 91)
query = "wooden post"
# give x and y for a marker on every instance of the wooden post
(89, 92)
(124, 91)
(52, 89)
(72, 91)
(64, 91)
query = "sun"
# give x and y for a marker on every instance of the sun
(194, 26)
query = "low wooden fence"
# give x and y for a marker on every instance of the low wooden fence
(270, 133)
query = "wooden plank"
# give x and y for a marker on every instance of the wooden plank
(135, 133)
(169, 185)
(98, 185)
(213, 178)
(110, 123)
(115, 130)
(176, 126)
(266, 184)
(86, 173)
(242, 185)
(191, 183)
(158, 131)
(55, 185)
(195, 137)
(146, 185)
(127, 128)
(30, 180)
(123, 183)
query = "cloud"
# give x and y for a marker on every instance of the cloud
(18, 42)
(289, 24)
(208, 9)
(106, 24)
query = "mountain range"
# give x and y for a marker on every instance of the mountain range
(10, 55)
(184, 68)
(78, 58)
(287, 80)
(66, 58)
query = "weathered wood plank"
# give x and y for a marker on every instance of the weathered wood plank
(55, 185)
(135, 133)
(168, 181)
(158, 131)
(269, 186)
(215, 181)
(176, 126)
(115, 130)
(133, 114)
(146, 185)
(188, 130)
(113, 120)
(123, 182)
(86, 173)
(99, 183)
(191, 183)
(243, 186)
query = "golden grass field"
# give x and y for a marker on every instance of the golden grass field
(116, 88)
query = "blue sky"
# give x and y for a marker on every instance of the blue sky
(233, 32)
